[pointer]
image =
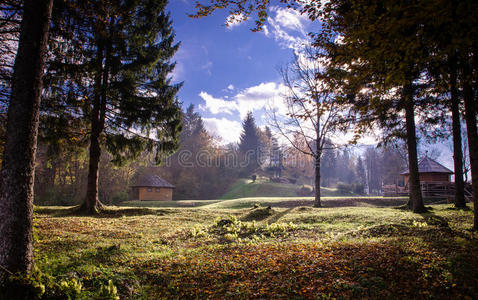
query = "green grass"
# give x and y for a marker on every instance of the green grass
(284, 202)
(230, 249)
(245, 188)
(179, 203)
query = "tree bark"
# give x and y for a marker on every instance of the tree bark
(317, 202)
(470, 118)
(17, 174)
(414, 182)
(457, 151)
(92, 203)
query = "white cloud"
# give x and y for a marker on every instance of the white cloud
(255, 98)
(290, 19)
(228, 130)
(217, 105)
(235, 20)
(230, 87)
(287, 27)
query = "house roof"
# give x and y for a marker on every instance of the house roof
(428, 165)
(152, 181)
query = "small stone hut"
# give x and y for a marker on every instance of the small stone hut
(152, 187)
(430, 171)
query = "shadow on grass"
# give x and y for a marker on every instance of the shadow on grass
(438, 221)
(276, 217)
(107, 212)
(466, 208)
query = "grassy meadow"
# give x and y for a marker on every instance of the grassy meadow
(263, 187)
(242, 249)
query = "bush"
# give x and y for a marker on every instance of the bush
(120, 197)
(344, 188)
(254, 177)
(304, 191)
(358, 188)
(56, 197)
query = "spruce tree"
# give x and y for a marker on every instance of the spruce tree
(17, 173)
(249, 143)
(111, 69)
(360, 171)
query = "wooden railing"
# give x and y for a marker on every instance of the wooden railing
(430, 190)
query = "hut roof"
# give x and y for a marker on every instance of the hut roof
(428, 165)
(152, 181)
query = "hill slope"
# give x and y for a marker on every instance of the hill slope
(245, 188)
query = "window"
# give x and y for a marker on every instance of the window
(150, 189)
(158, 190)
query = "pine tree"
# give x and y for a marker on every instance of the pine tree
(249, 143)
(17, 173)
(115, 77)
(360, 171)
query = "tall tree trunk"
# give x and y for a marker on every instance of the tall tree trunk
(414, 182)
(92, 203)
(470, 118)
(318, 156)
(457, 151)
(17, 174)
(317, 202)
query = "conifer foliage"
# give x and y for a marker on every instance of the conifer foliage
(249, 143)
(110, 68)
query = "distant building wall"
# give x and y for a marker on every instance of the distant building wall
(151, 193)
(430, 177)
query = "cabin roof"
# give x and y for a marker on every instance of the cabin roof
(152, 181)
(428, 165)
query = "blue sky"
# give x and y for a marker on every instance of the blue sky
(228, 71)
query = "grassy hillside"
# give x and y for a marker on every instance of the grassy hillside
(245, 188)
(284, 202)
(283, 252)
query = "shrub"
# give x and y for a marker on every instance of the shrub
(358, 188)
(254, 177)
(120, 197)
(232, 229)
(344, 188)
(304, 191)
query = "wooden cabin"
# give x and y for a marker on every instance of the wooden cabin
(430, 171)
(435, 182)
(152, 188)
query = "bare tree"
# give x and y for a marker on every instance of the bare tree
(312, 114)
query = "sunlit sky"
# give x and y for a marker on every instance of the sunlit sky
(228, 71)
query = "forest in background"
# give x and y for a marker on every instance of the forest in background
(203, 168)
